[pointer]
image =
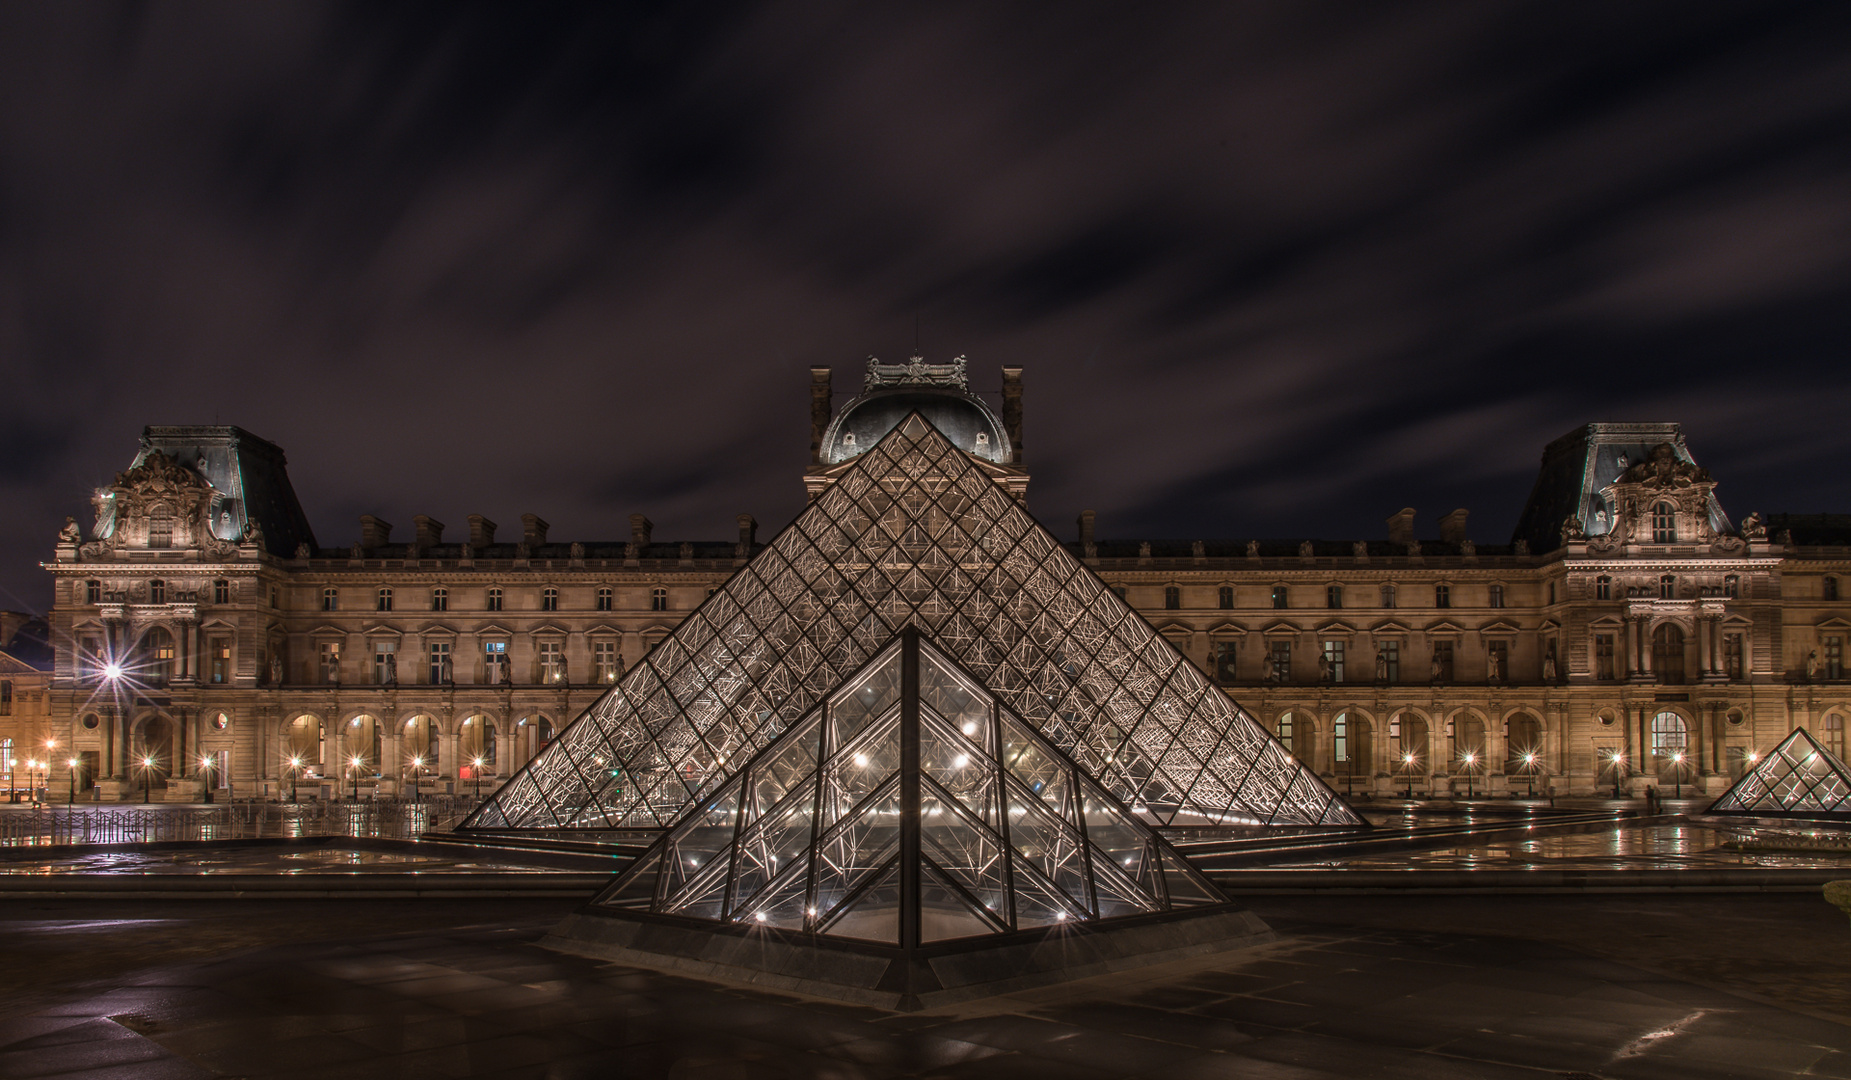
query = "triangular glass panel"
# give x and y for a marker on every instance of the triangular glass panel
(1798, 777)
(913, 532)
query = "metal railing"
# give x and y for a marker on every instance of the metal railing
(401, 819)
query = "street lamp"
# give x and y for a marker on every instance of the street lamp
(73, 764)
(1617, 761)
(417, 766)
(295, 766)
(32, 784)
(475, 770)
(355, 762)
(1529, 772)
(1471, 758)
(1407, 774)
(205, 770)
(1677, 775)
(147, 772)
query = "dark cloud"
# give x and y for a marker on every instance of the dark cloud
(1272, 268)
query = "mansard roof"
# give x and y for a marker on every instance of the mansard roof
(249, 471)
(1578, 465)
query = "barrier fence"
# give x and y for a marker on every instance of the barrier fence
(398, 819)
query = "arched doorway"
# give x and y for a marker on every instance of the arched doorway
(359, 749)
(476, 744)
(419, 752)
(1298, 731)
(1468, 744)
(1409, 733)
(154, 750)
(1668, 653)
(1352, 747)
(302, 744)
(1523, 746)
(1670, 745)
(531, 736)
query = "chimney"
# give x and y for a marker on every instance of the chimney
(1086, 526)
(640, 528)
(374, 532)
(533, 530)
(1012, 411)
(820, 392)
(481, 531)
(430, 530)
(748, 532)
(1452, 526)
(1401, 526)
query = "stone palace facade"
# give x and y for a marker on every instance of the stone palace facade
(1628, 634)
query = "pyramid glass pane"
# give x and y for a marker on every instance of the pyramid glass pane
(913, 533)
(843, 854)
(1798, 777)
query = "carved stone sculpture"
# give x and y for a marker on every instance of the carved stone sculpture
(276, 670)
(1548, 664)
(70, 533)
(1359, 549)
(1433, 668)
(391, 671)
(1812, 666)
(1381, 664)
(302, 550)
(1324, 671)
(1572, 529)
(445, 673)
(1753, 527)
(1520, 548)
(1253, 549)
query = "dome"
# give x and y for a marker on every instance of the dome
(967, 421)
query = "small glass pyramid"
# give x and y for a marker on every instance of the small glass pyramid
(914, 532)
(1798, 777)
(910, 806)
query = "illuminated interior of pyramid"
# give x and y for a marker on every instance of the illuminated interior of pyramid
(914, 532)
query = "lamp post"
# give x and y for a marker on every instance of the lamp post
(475, 771)
(73, 764)
(1529, 772)
(1677, 775)
(1617, 761)
(295, 766)
(1407, 774)
(355, 763)
(147, 772)
(32, 784)
(205, 770)
(1471, 759)
(417, 767)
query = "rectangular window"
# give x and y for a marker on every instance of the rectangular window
(1442, 596)
(1496, 596)
(440, 663)
(1603, 657)
(1497, 661)
(330, 599)
(440, 599)
(1225, 597)
(605, 599)
(221, 591)
(1667, 587)
(1834, 657)
(1279, 597)
(1172, 597)
(385, 662)
(90, 657)
(1603, 588)
(1225, 657)
(220, 652)
(6, 697)
(1333, 596)
(1388, 596)
(1340, 737)
(1281, 660)
(1333, 660)
(160, 531)
(1732, 655)
(385, 600)
(1391, 661)
(330, 662)
(552, 661)
(495, 660)
(658, 599)
(93, 592)
(1443, 661)
(494, 600)
(157, 592)
(549, 599)
(604, 655)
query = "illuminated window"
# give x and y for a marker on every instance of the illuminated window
(1333, 659)
(1668, 734)
(1172, 597)
(1224, 597)
(384, 602)
(1603, 588)
(220, 651)
(1340, 737)
(157, 591)
(1603, 656)
(93, 592)
(606, 598)
(1835, 735)
(330, 662)
(1664, 523)
(1442, 596)
(495, 660)
(549, 599)
(440, 599)
(1285, 729)
(658, 599)
(1667, 587)
(1333, 596)
(604, 658)
(493, 602)
(330, 599)
(1495, 596)
(1279, 597)
(221, 591)
(1388, 596)
(552, 662)
(385, 662)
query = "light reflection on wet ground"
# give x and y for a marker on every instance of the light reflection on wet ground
(333, 860)
(1642, 847)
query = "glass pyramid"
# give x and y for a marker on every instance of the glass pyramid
(1798, 777)
(914, 532)
(908, 807)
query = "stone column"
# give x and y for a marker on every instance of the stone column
(1699, 741)
(1703, 645)
(1631, 635)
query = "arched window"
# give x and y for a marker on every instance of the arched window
(384, 602)
(1442, 596)
(1285, 729)
(606, 598)
(1664, 523)
(1333, 596)
(549, 599)
(1835, 735)
(1279, 597)
(658, 599)
(1669, 737)
(1603, 588)
(440, 599)
(1172, 597)
(493, 598)
(330, 599)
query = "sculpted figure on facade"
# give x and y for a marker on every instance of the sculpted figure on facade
(1753, 527)
(446, 674)
(1812, 666)
(70, 533)
(1324, 670)
(276, 669)
(391, 668)
(1433, 668)
(1548, 664)
(302, 550)
(1304, 549)
(1381, 664)
(1253, 549)
(1572, 530)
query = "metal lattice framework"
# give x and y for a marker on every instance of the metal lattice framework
(1798, 777)
(909, 807)
(914, 532)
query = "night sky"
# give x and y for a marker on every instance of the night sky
(1273, 269)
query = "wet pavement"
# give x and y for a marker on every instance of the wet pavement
(1626, 847)
(1359, 987)
(269, 861)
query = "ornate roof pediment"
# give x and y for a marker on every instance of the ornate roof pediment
(1281, 627)
(1390, 626)
(1500, 626)
(1227, 629)
(494, 628)
(1836, 622)
(1664, 469)
(1336, 626)
(1443, 627)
